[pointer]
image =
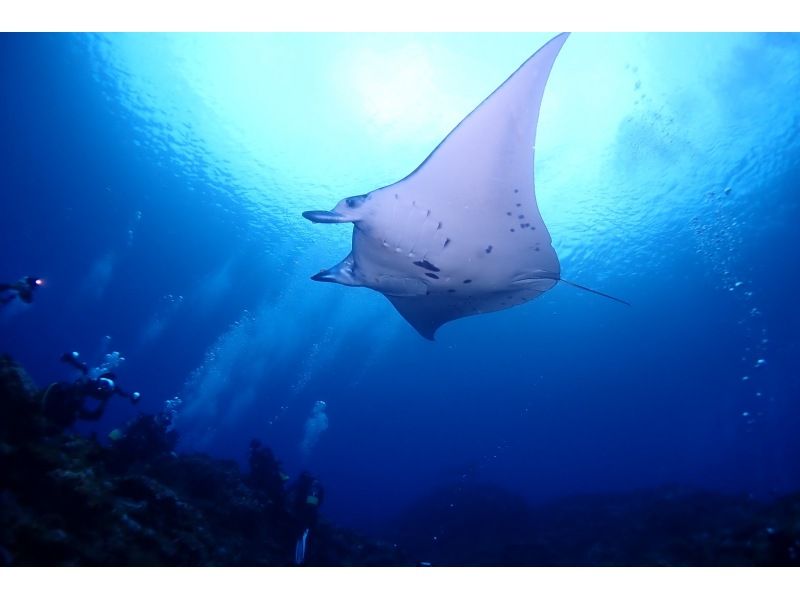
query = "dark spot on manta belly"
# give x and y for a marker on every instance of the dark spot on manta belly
(467, 281)
(516, 190)
(489, 249)
(430, 275)
(446, 243)
(511, 230)
(519, 205)
(439, 227)
(521, 216)
(427, 265)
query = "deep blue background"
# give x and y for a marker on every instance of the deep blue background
(568, 394)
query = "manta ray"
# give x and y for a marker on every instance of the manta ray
(461, 235)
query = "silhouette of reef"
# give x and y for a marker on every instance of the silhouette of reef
(67, 500)
(473, 524)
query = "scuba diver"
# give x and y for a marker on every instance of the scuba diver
(64, 402)
(305, 498)
(23, 289)
(265, 474)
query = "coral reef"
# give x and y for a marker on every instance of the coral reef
(472, 524)
(68, 500)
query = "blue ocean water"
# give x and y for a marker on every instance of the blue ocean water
(156, 182)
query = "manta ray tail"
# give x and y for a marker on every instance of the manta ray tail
(580, 286)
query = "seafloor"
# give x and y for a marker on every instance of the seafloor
(66, 499)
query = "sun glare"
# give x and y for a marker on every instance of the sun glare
(398, 88)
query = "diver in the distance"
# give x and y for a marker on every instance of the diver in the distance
(64, 402)
(22, 289)
(265, 474)
(304, 500)
(103, 387)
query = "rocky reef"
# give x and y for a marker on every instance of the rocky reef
(68, 500)
(474, 524)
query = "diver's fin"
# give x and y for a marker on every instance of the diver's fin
(580, 286)
(300, 548)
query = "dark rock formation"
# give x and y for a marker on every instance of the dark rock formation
(471, 524)
(67, 500)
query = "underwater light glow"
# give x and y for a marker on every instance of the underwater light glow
(279, 124)
(399, 90)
